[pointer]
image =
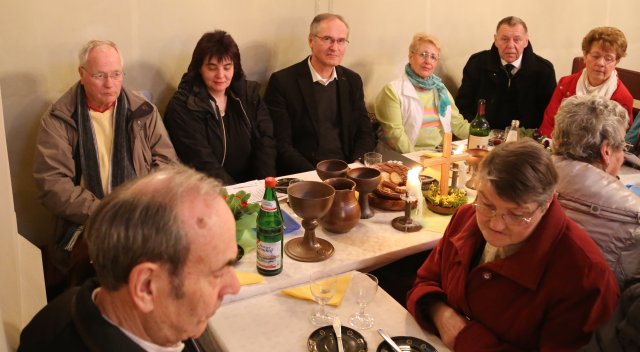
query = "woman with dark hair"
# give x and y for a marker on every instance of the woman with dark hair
(216, 119)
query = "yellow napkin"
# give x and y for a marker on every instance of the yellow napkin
(304, 292)
(249, 278)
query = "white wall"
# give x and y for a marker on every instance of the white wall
(39, 41)
(22, 293)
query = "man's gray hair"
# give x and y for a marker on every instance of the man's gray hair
(83, 55)
(140, 222)
(315, 23)
(584, 122)
(512, 21)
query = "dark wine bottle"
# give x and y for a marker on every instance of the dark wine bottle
(479, 129)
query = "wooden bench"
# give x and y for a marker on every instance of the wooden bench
(630, 78)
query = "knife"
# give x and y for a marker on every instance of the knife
(389, 340)
(337, 327)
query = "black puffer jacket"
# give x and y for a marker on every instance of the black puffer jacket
(198, 133)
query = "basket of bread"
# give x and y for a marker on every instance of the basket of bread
(388, 194)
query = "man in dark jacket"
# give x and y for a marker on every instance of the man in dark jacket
(163, 248)
(516, 83)
(317, 106)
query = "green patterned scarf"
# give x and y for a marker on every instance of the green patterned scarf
(431, 82)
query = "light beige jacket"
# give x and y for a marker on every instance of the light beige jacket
(55, 163)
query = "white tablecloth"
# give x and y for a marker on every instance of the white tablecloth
(371, 244)
(277, 322)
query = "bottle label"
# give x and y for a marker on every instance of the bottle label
(269, 255)
(478, 142)
(268, 205)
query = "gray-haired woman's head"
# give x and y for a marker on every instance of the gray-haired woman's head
(583, 123)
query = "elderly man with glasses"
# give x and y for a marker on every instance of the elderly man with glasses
(516, 83)
(95, 137)
(513, 272)
(317, 106)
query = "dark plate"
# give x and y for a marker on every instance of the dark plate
(414, 343)
(324, 340)
(283, 183)
(240, 253)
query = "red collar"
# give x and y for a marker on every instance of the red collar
(100, 110)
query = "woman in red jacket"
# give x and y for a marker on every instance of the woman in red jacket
(603, 47)
(512, 271)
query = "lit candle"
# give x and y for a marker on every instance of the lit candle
(414, 187)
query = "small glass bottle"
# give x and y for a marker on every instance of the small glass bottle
(270, 232)
(479, 129)
(513, 131)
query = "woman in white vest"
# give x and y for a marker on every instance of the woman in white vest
(415, 110)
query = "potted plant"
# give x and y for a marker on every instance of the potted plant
(447, 204)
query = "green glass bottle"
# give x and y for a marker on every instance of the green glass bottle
(479, 129)
(270, 232)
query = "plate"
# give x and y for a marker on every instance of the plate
(324, 340)
(283, 183)
(409, 343)
(240, 253)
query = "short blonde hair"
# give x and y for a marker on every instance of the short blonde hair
(420, 38)
(608, 37)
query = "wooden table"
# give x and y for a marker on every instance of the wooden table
(277, 322)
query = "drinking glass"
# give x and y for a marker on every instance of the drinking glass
(322, 289)
(372, 158)
(364, 287)
(496, 137)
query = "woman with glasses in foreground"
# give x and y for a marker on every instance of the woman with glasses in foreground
(602, 47)
(512, 271)
(416, 109)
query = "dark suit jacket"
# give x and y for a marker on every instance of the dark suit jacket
(292, 107)
(524, 98)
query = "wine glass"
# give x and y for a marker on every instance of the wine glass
(372, 158)
(496, 137)
(322, 289)
(364, 287)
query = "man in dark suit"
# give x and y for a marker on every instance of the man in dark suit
(516, 83)
(317, 106)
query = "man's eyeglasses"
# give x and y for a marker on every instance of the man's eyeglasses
(509, 219)
(326, 40)
(427, 55)
(608, 59)
(102, 76)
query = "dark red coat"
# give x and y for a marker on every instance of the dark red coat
(550, 295)
(567, 88)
